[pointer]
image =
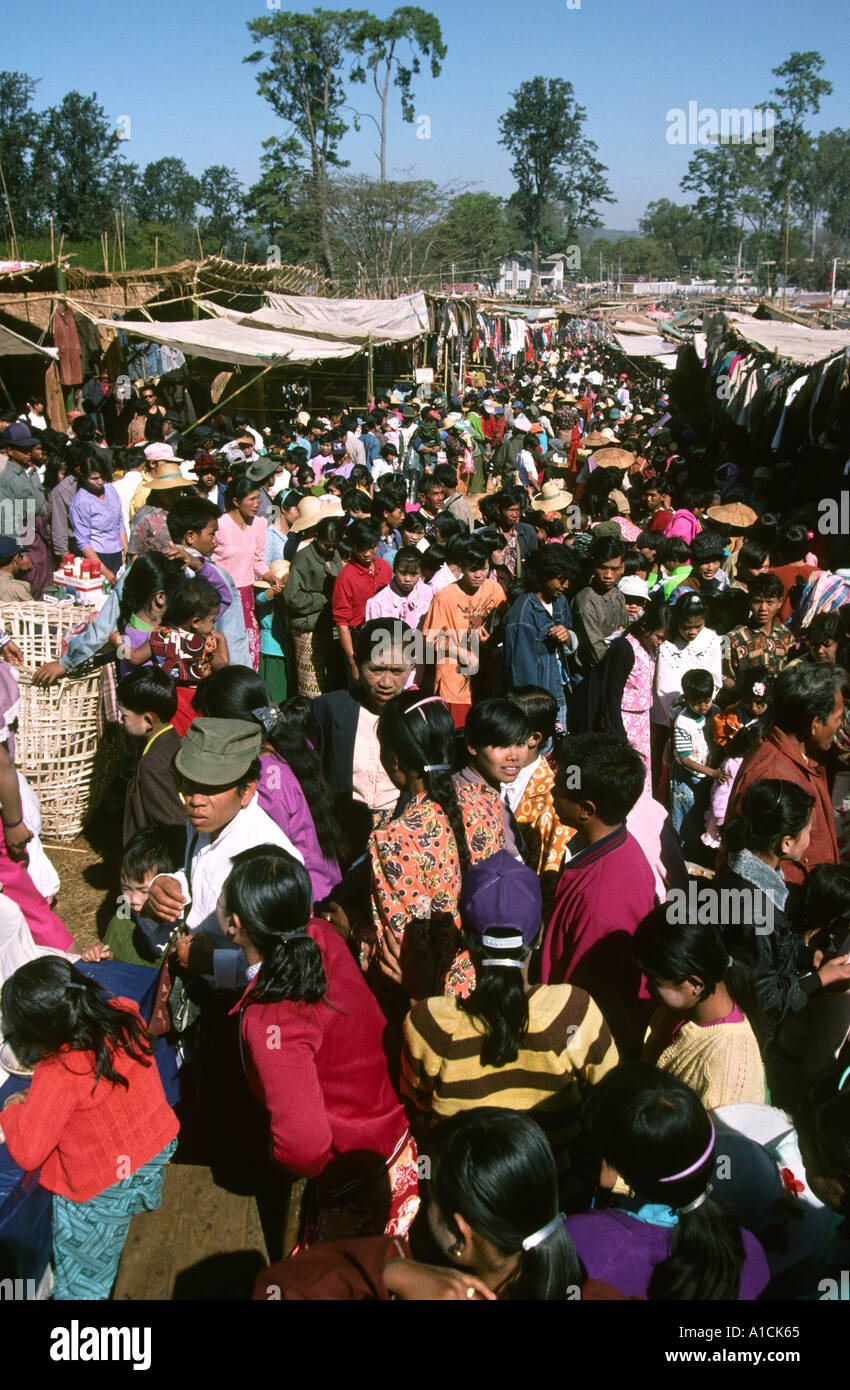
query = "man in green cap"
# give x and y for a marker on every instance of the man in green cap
(218, 768)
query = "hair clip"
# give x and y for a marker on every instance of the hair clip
(267, 715)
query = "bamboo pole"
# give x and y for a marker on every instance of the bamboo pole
(14, 241)
(52, 249)
(200, 244)
(156, 253)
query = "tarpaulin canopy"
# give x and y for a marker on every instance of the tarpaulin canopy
(354, 320)
(644, 344)
(221, 340)
(13, 345)
(800, 343)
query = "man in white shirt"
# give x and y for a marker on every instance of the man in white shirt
(218, 766)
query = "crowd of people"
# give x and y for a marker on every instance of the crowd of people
(487, 831)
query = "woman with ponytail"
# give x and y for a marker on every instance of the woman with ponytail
(507, 1044)
(144, 599)
(667, 1236)
(418, 860)
(292, 788)
(706, 1029)
(311, 1036)
(772, 824)
(94, 1120)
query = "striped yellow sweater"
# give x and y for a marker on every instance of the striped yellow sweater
(568, 1047)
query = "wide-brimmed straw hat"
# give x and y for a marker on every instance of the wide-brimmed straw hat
(310, 513)
(734, 514)
(168, 478)
(551, 498)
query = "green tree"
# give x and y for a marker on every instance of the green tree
(676, 227)
(800, 97)
(20, 132)
(80, 145)
(302, 81)
(383, 234)
(553, 161)
(473, 235)
(167, 192)
(834, 158)
(409, 31)
(222, 193)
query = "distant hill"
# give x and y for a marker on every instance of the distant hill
(608, 234)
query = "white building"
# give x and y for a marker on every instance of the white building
(515, 273)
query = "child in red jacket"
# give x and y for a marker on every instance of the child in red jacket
(94, 1120)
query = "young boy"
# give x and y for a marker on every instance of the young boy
(763, 641)
(530, 797)
(693, 750)
(147, 703)
(358, 581)
(605, 889)
(134, 935)
(456, 626)
(497, 734)
(14, 564)
(600, 609)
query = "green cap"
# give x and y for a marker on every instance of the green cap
(217, 752)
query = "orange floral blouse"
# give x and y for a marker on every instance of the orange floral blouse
(415, 879)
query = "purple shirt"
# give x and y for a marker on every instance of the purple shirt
(98, 521)
(613, 1245)
(281, 797)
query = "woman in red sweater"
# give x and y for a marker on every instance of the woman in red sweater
(311, 1036)
(94, 1120)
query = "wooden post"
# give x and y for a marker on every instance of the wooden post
(200, 245)
(370, 377)
(155, 252)
(52, 248)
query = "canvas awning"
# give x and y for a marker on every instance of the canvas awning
(794, 340)
(644, 345)
(220, 340)
(352, 320)
(13, 345)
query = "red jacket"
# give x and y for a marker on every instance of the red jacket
(86, 1140)
(320, 1069)
(779, 756)
(353, 587)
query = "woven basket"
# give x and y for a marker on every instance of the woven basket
(58, 749)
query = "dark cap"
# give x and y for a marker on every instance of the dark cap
(500, 894)
(261, 469)
(9, 547)
(17, 436)
(217, 752)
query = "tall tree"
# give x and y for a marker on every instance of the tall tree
(167, 192)
(304, 56)
(222, 193)
(80, 144)
(676, 227)
(20, 130)
(800, 97)
(473, 234)
(383, 233)
(391, 49)
(834, 160)
(553, 161)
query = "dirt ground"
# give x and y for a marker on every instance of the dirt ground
(88, 869)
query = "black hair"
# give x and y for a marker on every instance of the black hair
(606, 548)
(233, 692)
(793, 544)
(803, 693)
(190, 514)
(509, 497)
(766, 586)
(83, 428)
(697, 684)
(655, 616)
(47, 1005)
(825, 902)
(354, 500)
(426, 738)
(155, 849)
(610, 774)
(188, 599)
(499, 999)
(388, 634)
(272, 896)
(413, 521)
(331, 528)
(694, 950)
(649, 1125)
(358, 475)
(707, 546)
(446, 474)
(551, 562)
(149, 690)
(496, 1169)
(239, 487)
(752, 554)
(769, 810)
(748, 676)
(467, 552)
(433, 559)
(687, 607)
(363, 534)
(446, 527)
(672, 552)
(148, 575)
(826, 627)
(497, 722)
(408, 558)
(649, 540)
(539, 707)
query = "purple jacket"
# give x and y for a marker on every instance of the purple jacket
(281, 797)
(615, 1246)
(683, 523)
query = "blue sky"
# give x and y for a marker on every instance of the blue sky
(175, 70)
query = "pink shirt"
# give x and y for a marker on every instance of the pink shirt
(241, 552)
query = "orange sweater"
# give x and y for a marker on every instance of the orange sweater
(86, 1140)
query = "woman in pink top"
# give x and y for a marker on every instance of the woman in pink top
(240, 549)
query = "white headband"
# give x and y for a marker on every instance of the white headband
(538, 1237)
(502, 960)
(510, 943)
